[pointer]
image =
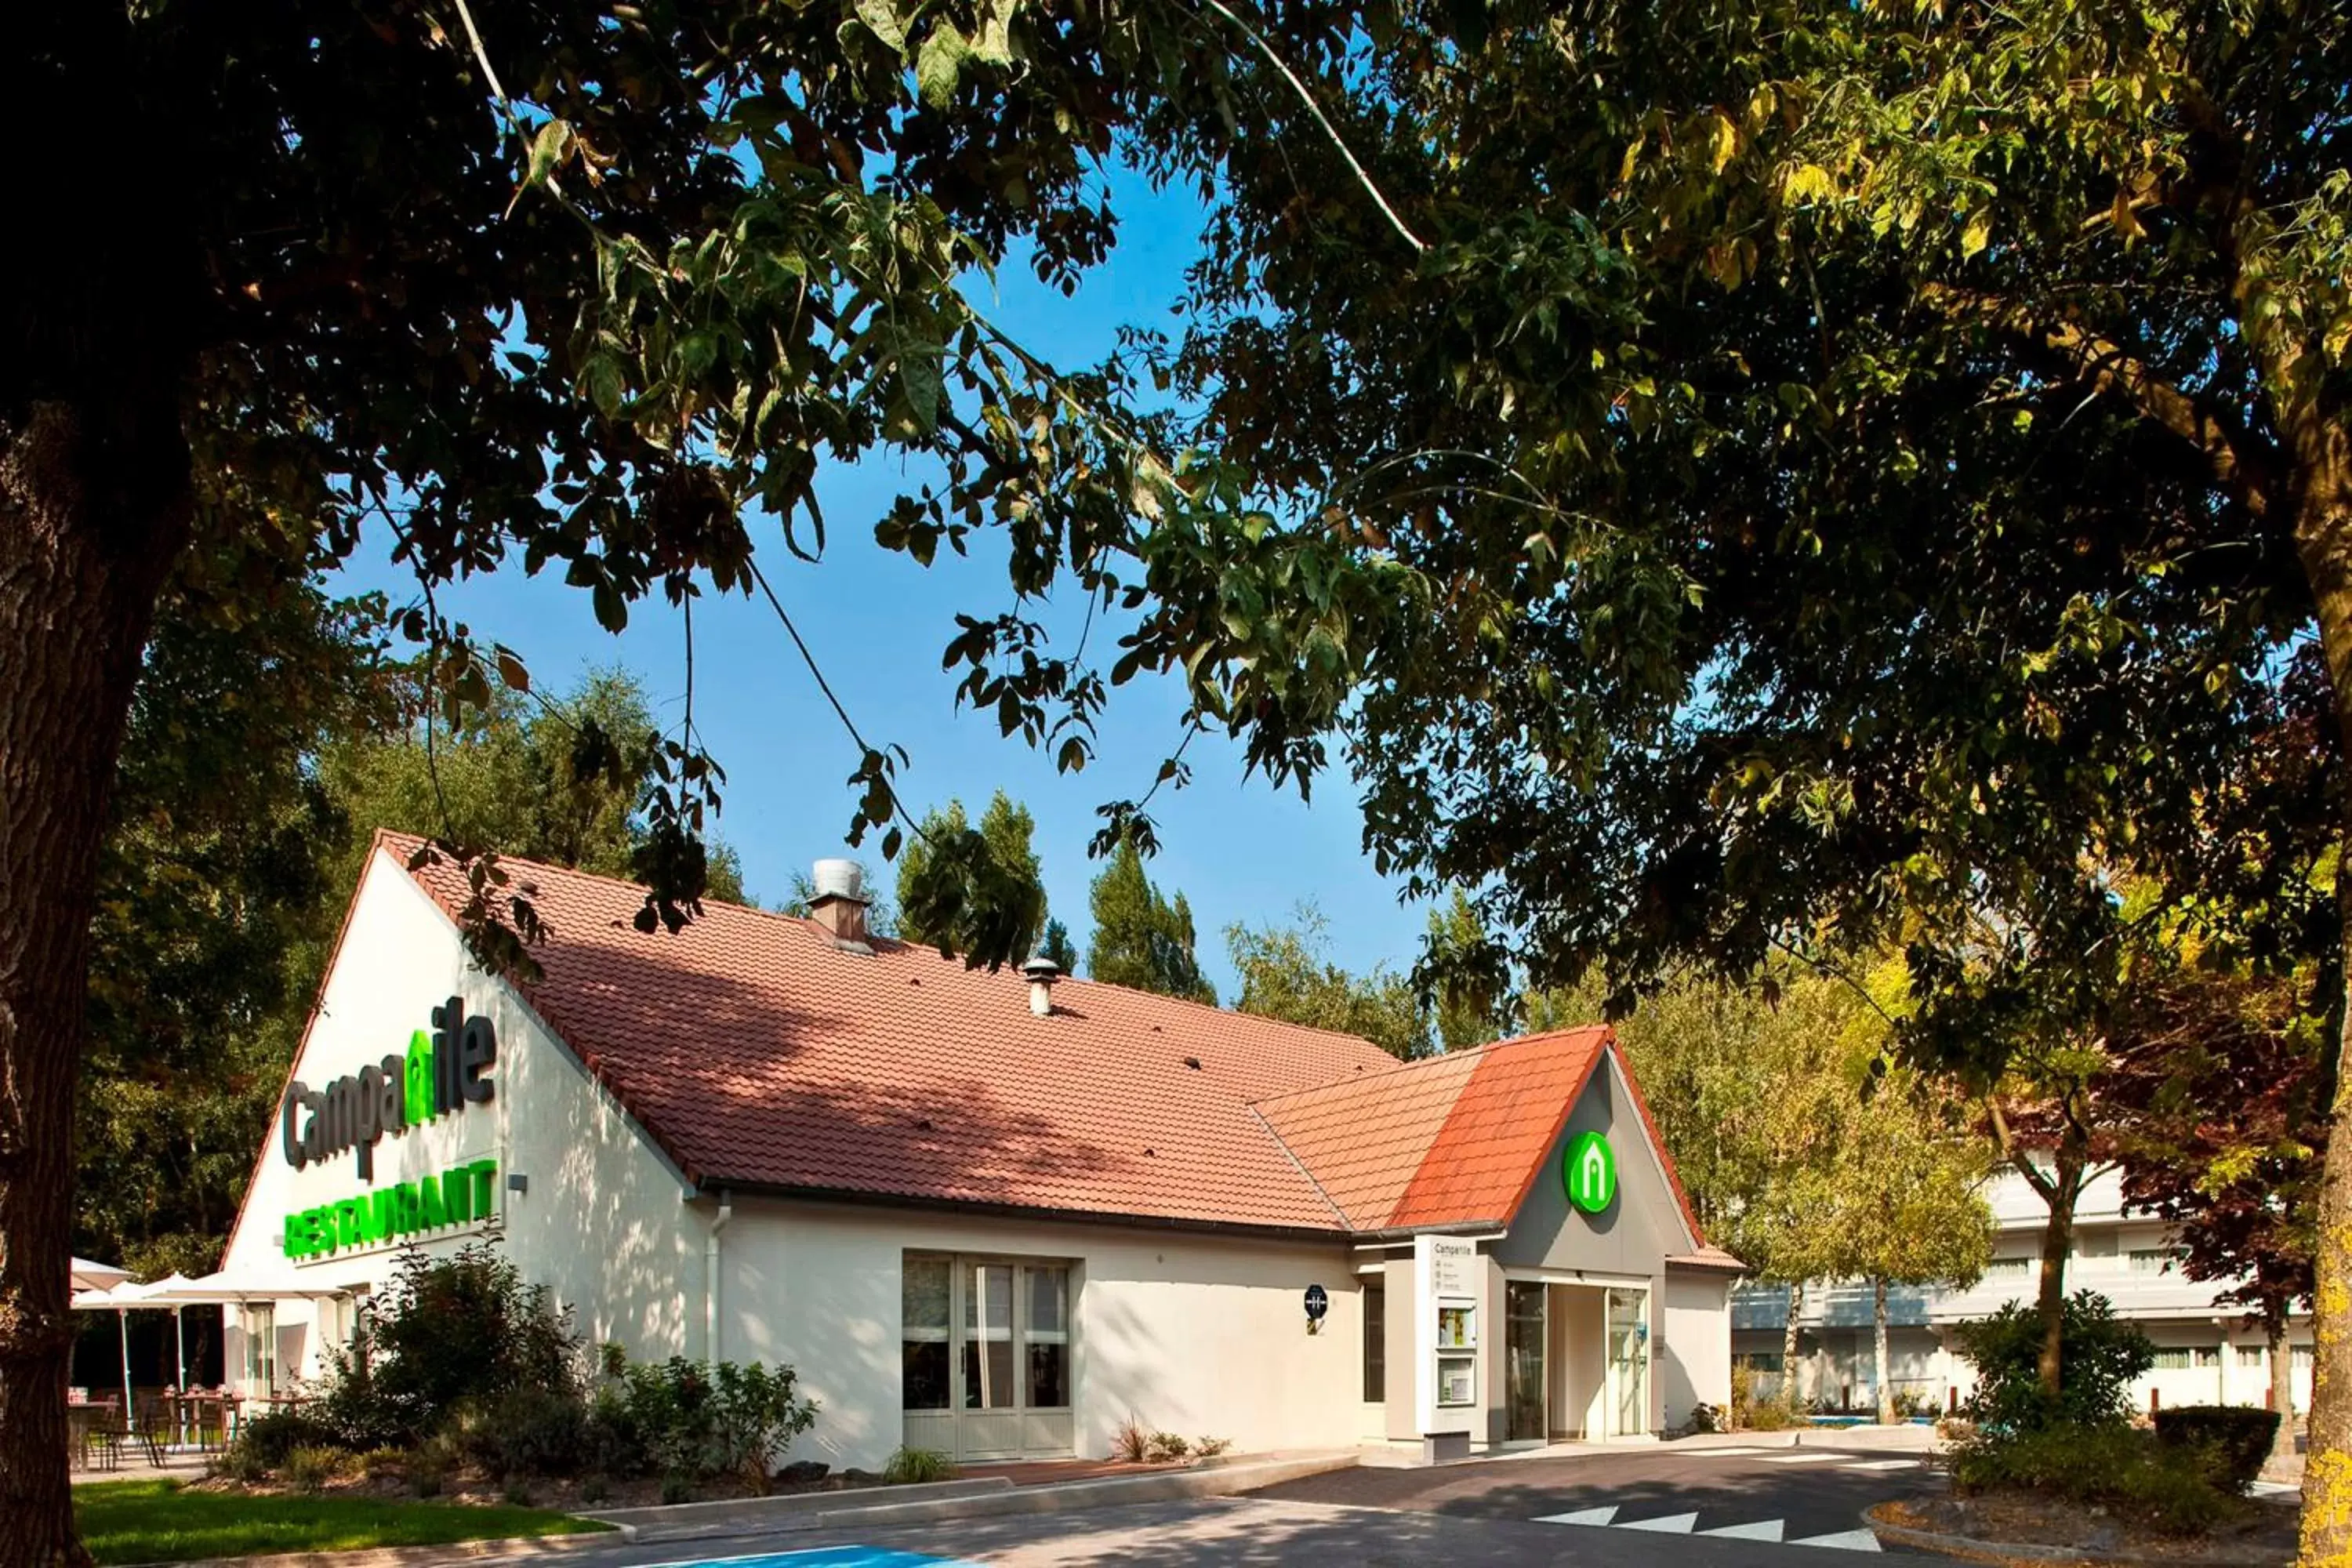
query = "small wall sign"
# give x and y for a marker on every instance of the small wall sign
(1589, 1169)
(1318, 1303)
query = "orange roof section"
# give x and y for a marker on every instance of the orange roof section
(759, 1054)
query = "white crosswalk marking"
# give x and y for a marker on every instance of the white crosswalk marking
(1844, 1541)
(1672, 1524)
(1762, 1529)
(1799, 1457)
(1882, 1465)
(1584, 1516)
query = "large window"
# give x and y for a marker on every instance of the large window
(1376, 1344)
(2152, 1259)
(985, 1334)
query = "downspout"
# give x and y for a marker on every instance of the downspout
(710, 1282)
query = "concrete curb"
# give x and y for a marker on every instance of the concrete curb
(1053, 1496)
(660, 1519)
(405, 1556)
(2001, 1553)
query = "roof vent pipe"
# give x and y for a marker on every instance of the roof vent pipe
(837, 902)
(1042, 973)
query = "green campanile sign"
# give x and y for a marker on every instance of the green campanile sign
(1589, 1169)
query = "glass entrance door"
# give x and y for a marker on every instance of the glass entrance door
(1522, 1362)
(1628, 1362)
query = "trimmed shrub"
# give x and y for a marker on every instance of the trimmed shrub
(1168, 1445)
(2236, 1438)
(529, 1432)
(2110, 1464)
(309, 1469)
(400, 1380)
(682, 1420)
(1771, 1417)
(909, 1466)
(266, 1442)
(1209, 1447)
(2100, 1356)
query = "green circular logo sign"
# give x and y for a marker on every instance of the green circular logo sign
(1590, 1171)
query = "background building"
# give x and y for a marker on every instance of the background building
(2205, 1355)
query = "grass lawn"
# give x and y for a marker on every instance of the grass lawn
(159, 1521)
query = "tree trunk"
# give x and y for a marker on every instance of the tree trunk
(1789, 1344)
(2323, 449)
(2057, 1240)
(1878, 1328)
(93, 508)
(2282, 1365)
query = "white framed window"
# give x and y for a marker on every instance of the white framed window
(2250, 1358)
(2153, 1259)
(2171, 1358)
(983, 1334)
(2007, 1267)
(2209, 1356)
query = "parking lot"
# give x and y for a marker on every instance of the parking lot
(1672, 1509)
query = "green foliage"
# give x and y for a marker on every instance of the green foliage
(1057, 948)
(911, 1466)
(2103, 1463)
(1142, 939)
(403, 1380)
(2235, 1439)
(1167, 1447)
(266, 1441)
(681, 1420)
(1777, 509)
(1284, 974)
(1803, 1156)
(237, 845)
(2101, 1354)
(217, 864)
(531, 1431)
(309, 1469)
(1469, 1012)
(166, 1521)
(952, 875)
(561, 780)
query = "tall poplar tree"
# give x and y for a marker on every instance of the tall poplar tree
(1141, 938)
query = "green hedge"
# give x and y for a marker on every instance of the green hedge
(2238, 1436)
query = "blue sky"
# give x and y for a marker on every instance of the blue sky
(877, 622)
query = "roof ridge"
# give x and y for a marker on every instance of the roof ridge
(807, 924)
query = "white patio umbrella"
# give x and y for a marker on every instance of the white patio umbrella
(104, 1301)
(89, 1275)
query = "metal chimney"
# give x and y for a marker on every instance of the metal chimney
(838, 901)
(1042, 973)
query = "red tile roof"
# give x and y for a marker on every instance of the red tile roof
(757, 1053)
